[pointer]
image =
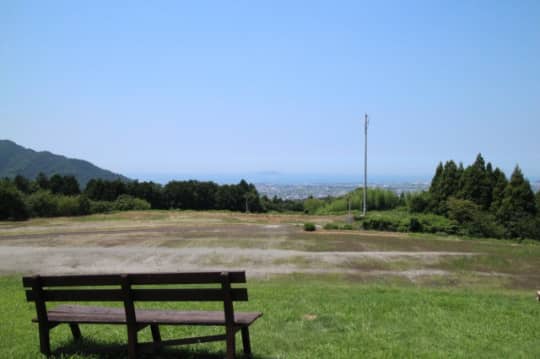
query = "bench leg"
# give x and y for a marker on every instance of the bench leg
(44, 341)
(156, 335)
(132, 341)
(75, 330)
(231, 345)
(246, 343)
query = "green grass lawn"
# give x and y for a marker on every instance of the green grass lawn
(327, 317)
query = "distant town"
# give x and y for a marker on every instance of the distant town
(321, 190)
(301, 191)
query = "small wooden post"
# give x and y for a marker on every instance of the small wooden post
(131, 319)
(229, 315)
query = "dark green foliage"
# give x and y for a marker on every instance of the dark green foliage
(476, 184)
(312, 205)
(43, 181)
(23, 184)
(377, 199)
(59, 196)
(17, 160)
(383, 224)
(66, 185)
(125, 202)
(400, 221)
(42, 204)
(472, 219)
(538, 202)
(418, 202)
(101, 207)
(415, 225)
(67, 206)
(84, 205)
(149, 191)
(12, 204)
(282, 205)
(331, 226)
(499, 183)
(338, 226)
(446, 183)
(190, 194)
(208, 195)
(481, 201)
(102, 190)
(309, 227)
(518, 207)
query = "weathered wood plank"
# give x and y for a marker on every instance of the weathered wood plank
(108, 315)
(135, 279)
(196, 294)
(71, 295)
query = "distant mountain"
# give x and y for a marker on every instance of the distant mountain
(17, 160)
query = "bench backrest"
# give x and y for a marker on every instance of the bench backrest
(59, 288)
(48, 286)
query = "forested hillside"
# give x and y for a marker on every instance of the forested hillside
(17, 160)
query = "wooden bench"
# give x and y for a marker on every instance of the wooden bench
(128, 289)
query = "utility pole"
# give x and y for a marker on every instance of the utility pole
(366, 122)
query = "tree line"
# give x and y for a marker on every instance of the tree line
(481, 200)
(21, 198)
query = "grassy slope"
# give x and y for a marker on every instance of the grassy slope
(328, 318)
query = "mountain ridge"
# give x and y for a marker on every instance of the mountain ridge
(18, 160)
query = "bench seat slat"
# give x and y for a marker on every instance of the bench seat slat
(104, 315)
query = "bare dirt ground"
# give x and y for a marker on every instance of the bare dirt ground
(263, 245)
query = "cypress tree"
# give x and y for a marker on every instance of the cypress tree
(518, 206)
(538, 203)
(475, 185)
(435, 189)
(499, 183)
(450, 180)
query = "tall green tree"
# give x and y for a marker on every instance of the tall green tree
(499, 183)
(22, 184)
(476, 184)
(538, 202)
(43, 181)
(445, 184)
(518, 207)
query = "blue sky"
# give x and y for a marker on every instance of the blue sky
(246, 87)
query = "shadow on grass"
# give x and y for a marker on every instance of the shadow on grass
(92, 349)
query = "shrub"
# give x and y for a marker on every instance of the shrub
(101, 206)
(331, 226)
(67, 206)
(126, 202)
(84, 205)
(309, 227)
(312, 205)
(415, 225)
(418, 202)
(12, 204)
(42, 204)
(347, 226)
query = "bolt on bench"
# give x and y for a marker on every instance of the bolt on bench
(59, 288)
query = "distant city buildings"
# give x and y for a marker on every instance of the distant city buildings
(301, 191)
